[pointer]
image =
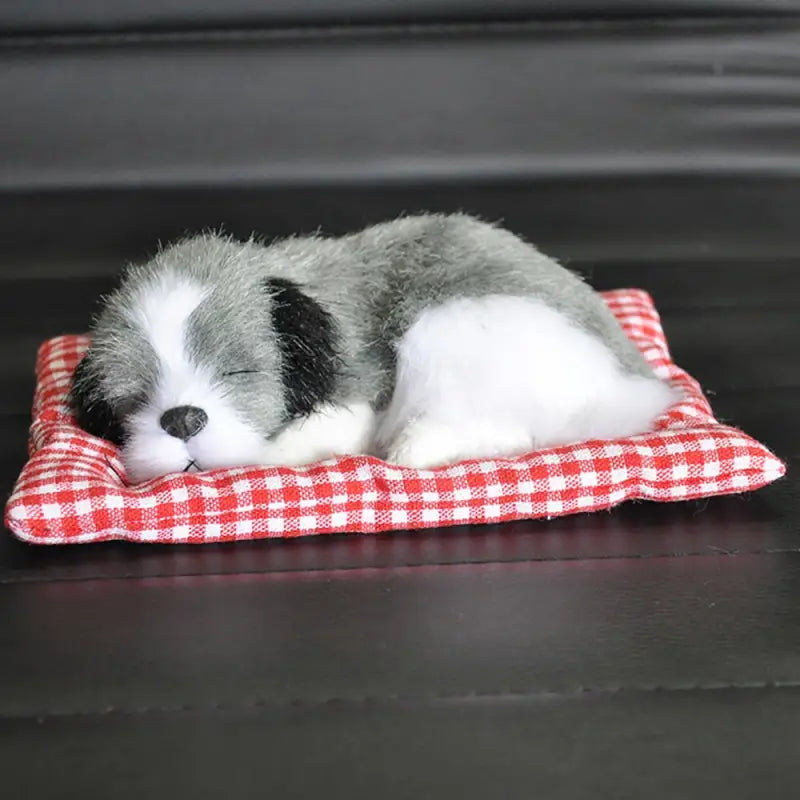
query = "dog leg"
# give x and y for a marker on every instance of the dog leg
(426, 442)
(328, 432)
(503, 375)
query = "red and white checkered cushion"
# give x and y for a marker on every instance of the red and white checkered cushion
(72, 488)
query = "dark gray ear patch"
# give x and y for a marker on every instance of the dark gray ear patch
(307, 338)
(92, 412)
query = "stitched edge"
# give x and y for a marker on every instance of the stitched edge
(368, 701)
(30, 531)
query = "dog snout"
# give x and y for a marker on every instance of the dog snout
(183, 422)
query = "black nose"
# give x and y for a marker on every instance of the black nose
(183, 422)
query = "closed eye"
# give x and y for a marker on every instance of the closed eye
(240, 372)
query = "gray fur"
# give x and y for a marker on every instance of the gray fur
(374, 283)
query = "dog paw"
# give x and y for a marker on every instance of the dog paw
(424, 443)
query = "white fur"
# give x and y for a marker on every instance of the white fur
(226, 440)
(328, 432)
(161, 312)
(498, 375)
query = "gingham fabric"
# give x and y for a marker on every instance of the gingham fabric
(73, 487)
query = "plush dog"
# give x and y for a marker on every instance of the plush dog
(425, 341)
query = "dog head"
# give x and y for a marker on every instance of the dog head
(200, 356)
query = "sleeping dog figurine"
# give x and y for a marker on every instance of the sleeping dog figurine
(424, 341)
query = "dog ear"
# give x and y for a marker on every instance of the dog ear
(307, 339)
(92, 412)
